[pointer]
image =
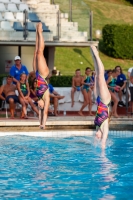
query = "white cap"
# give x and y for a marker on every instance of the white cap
(17, 58)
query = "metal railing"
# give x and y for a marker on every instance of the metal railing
(25, 20)
(79, 12)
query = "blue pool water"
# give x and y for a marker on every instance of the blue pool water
(65, 168)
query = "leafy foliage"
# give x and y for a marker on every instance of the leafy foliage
(61, 81)
(118, 40)
(1, 78)
(131, 1)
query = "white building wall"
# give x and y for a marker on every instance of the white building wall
(7, 53)
(27, 57)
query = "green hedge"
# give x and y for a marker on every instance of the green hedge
(118, 41)
(131, 1)
(56, 81)
(61, 81)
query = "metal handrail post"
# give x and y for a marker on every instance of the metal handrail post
(70, 10)
(25, 30)
(58, 25)
(91, 25)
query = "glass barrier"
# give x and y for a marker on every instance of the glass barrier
(74, 11)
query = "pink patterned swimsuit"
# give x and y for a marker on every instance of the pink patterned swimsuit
(42, 85)
(102, 113)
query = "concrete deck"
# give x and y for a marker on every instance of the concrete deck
(63, 122)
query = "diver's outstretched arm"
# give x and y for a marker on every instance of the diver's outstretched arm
(95, 87)
(105, 130)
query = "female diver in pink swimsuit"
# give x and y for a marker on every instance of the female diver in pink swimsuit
(41, 69)
(103, 96)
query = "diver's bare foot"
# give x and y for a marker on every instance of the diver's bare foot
(94, 49)
(91, 114)
(115, 115)
(39, 27)
(11, 117)
(72, 104)
(61, 97)
(103, 146)
(80, 113)
(42, 127)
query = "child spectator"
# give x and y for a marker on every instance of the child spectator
(33, 90)
(107, 74)
(24, 92)
(87, 83)
(76, 84)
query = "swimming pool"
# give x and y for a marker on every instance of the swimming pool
(65, 168)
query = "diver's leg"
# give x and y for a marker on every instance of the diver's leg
(115, 100)
(35, 52)
(41, 62)
(103, 91)
(85, 103)
(90, 102)
(41, 116)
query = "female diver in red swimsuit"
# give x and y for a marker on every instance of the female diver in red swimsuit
(103, 97)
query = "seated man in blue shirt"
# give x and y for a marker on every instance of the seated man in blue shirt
(17, 69)
(54, 97)
(121, 81)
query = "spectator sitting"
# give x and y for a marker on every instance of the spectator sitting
(93, 76)
(33, 90)
(17, 69)
(10, 96)
(111, 82)
(76, 84)
(32, 76)
(24, 92)
(130, 76)
(107, 74)
(54, 97)
(121, 81)
(54, 72)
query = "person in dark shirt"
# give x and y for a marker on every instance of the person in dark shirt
(121, 81)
